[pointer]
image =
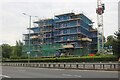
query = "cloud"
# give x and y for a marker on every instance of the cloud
(14, 23)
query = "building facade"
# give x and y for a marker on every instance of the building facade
(70, 34)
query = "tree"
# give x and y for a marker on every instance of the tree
(116, 44)
(109, 42)
(6, 50)
(17, 49)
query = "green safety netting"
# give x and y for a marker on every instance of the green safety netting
(42, 50)
(50, 49)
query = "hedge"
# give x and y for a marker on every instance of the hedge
(69, 59)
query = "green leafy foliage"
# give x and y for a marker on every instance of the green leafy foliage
(17, 49)
(69, 59)
(116, 44)
(12, 51)
(6, 50)
(110, 40)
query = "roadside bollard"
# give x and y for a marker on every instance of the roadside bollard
(25, 65)
(114, 66)
(118, 66)
(45, 65)
(110, 66)
(77, 66)
(59, 65)
(100, 66)
(93, 66)
(49, 65)
(103, 66)
(83, 66)
(41, 65)
(70, 66)
(64, 65)
(53, 65)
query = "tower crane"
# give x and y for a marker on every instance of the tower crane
(100, 10)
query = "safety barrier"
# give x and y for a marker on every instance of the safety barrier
(84, 66)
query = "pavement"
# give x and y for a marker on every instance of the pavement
(31, 72)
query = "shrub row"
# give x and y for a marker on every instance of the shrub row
(74, 59)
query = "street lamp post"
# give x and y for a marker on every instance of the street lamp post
(28, 53)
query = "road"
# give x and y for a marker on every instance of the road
(30, 72)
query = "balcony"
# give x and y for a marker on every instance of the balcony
(67, 27)
(66, 34)
(47, 31)
(64, 41)
(59, 21)
(68, 46)
(48, 25)
(85, 39)
(34, 37)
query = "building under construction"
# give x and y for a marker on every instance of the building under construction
(66, 34)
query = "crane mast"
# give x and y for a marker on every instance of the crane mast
(100, 10)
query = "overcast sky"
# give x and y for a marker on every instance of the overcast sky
(14, 23)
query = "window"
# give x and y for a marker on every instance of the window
(64, 38)
(73, 30)
(68, 30)
(71, 37)
(65, 31)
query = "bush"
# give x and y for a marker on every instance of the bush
(23, 57)
(98, 54)
(14, 57)
(69, 59)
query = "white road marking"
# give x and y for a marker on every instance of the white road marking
(72, 75)
(5, 76)
(78, 76)
(66, 75)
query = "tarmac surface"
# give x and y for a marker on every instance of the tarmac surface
(30, 72)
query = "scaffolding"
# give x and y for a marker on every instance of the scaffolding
(69, 34)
